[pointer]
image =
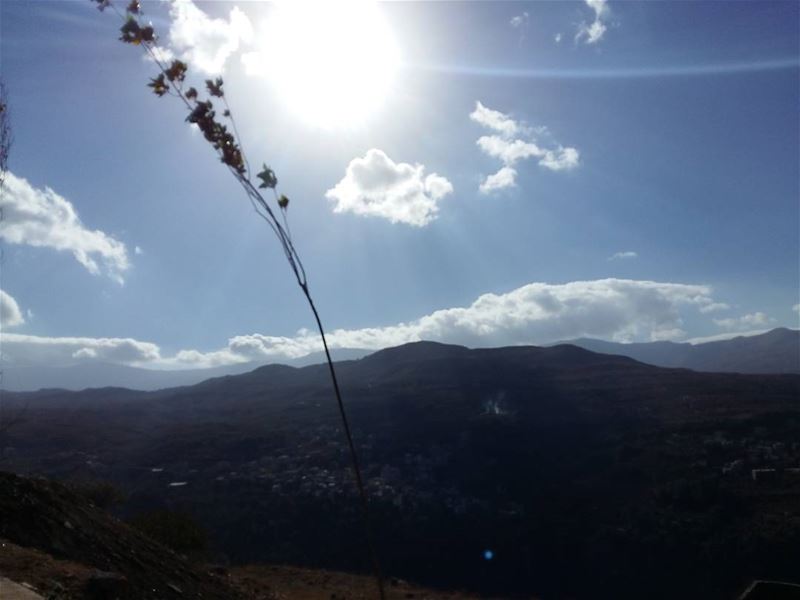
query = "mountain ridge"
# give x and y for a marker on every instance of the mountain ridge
(775, 351)
(514, 448)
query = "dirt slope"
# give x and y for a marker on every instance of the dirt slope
(55, 543)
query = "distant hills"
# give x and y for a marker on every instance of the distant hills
(100, 374)
(776, 351)
(587, 475)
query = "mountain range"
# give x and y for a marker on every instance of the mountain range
(19, 378)
(582, 474)
(776, 351)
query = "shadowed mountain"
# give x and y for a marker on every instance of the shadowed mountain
(585, 474)
(776, 351)
(19, 378)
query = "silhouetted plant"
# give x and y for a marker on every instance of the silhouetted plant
(8, 418)
(6, 136)
(171, 81)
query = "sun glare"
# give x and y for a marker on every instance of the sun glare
(332, 63)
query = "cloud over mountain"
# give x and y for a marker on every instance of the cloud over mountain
(59, 351)
(536, 313)
(747, 321)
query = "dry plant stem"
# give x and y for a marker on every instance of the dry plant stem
(353, 454)
(283, 234)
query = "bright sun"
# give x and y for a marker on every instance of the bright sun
(332, 63)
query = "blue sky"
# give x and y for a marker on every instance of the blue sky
(644, 154)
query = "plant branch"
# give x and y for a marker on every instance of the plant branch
(228, 147)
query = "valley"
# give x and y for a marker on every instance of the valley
(579, 473)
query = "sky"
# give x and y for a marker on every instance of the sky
(479, 173)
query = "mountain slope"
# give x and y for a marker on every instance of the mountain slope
(585, 474)
(776, 351)
(66, 549)
(46, 516)
(18, 378)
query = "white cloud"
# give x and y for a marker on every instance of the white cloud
(516, 141)
(562, 159)
(600, 7)
(138, 251)
(520, 21)
(796, 308)
(557, 37)
(204, 42)
(536, 313)
(509, 151)
(377, 186)
(21, 349)
(159, 53)
(493, 119)
(42, 218)
(195, 359)
(504, 178)
(623, 255)
(593, 32)
(85, 353)
(668, 335)
(745, 321)
(713, 307)
(10, 314)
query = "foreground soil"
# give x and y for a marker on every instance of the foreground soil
(292, 583)
(46, 577)
(63, 545)
(58, 546)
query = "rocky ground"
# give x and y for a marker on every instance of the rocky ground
(292, 583)
(55, 545)
(28, 574)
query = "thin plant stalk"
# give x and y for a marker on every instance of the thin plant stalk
(170, 81)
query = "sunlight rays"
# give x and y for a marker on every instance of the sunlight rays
(615, 73)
